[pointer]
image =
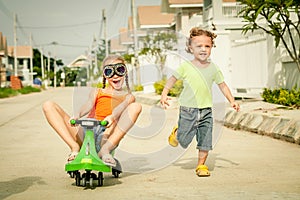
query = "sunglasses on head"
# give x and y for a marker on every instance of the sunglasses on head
(112, 69)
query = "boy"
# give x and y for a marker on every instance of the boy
(195, 115)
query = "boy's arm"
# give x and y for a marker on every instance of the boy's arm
(164, 95)
(226, 92)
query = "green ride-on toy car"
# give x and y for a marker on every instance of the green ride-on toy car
(88, 160)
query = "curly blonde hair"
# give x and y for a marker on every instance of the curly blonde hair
(197, 31)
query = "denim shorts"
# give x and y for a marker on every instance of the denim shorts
(98, 133)
(195, 121)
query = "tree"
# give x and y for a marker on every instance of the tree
(282, 20)
(71, 76)
(37, 62)
(156, 45)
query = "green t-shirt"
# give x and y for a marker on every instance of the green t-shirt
(197, 83)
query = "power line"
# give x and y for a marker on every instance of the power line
(60, 26)
(7, 12)
(60, 44)
(70, 45)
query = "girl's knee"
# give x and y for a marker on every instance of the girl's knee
(135, 108)
(48, 105)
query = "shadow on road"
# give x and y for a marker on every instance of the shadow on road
(190, 163)
(19, 185)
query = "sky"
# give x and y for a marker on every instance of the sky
(70, 24)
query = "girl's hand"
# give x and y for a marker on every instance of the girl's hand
(73, 118)
(235, 106)
(110, 119)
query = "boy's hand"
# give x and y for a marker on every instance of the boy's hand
(164, 101)
(235, 106)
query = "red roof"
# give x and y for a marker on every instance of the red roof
(22, 51)
(151, 16)
(185, 1)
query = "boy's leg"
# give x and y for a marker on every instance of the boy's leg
(186, 126)
(204, 140)
(202, 156)
(201, 169)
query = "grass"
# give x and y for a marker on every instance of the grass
(8, 92)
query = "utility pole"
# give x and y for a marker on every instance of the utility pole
(15, 45)
(42, 64)
(90, 57)
(48, 69)
(136, 61)
(31, 59)
(54, 44)
(95, 51)
(54, 71)
(105, 32)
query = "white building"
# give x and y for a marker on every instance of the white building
(249, 62)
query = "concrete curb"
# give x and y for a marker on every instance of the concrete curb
(149, 99)
(154, 99)
(282, 127)
(277, 127)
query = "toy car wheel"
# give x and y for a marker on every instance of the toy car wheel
(115, 173)
(100, 179)
(83, 179)
(91, 184)
(71, 174)
(77, 178)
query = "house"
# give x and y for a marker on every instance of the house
(23, 57)
(84, 64)
(220, 17)
(8, 55)
(249, 62)
(122, 42)
(149, 19)
(3, 60)
(80, 61)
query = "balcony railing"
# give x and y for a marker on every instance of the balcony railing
(231, 11)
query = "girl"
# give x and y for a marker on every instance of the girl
(110, 103)
(195, 117)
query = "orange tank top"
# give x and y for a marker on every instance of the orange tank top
(104, 104)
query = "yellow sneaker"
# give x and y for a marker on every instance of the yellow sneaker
(172, 138)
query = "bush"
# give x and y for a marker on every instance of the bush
(174, 91)
(98, 85)
(138, 88)
(9, 92)
(28, 89)
(159, 86)
(282, 97)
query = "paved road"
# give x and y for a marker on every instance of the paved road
(243, 165)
